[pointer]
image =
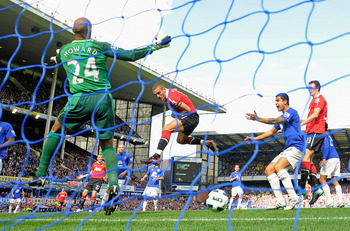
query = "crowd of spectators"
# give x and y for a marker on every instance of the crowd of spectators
(70, 165)
(22, 89)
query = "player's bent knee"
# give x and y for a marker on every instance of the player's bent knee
(269, 170)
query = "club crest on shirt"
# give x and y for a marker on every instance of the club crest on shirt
(286, 114)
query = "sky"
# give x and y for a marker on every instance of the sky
(233, 51)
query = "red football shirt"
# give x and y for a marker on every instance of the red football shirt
(62, 196)
(318, 125)
(98, 168)
(176, 98)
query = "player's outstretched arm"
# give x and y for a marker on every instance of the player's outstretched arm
(262, 136)
(162, 42)
(135, 54)
(254, 116)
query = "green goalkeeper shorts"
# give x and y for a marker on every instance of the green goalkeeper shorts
(81, 109)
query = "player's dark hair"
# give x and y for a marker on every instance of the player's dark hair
(283, 96)
(317, 84)
(156, 85)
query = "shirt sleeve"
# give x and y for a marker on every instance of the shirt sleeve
(277, 126)
(321, 103)
(162, 173)
(130, 160)
(175, 99)
(10, 133)
(125, 55)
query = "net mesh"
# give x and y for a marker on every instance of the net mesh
(262, 18)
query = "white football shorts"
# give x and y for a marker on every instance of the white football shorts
(121, 183)
(292, 155)
(151, 191)
(331, 168)
(236, 190)
(15, 201)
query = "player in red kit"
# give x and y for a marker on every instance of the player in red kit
(61, 196)
(185, 120)
(95, 181)
(315, 129)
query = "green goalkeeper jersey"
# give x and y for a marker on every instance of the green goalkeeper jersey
(85, 63)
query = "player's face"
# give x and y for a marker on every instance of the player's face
(280, 104)
(160, 92)
(312, 90)
(237, 168)
(121, 149)
(99, 158)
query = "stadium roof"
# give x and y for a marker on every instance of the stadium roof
(340, 138)
(32, 45)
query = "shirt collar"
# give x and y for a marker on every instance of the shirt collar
(166, 93)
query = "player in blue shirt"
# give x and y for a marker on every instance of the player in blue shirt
(16, 193)
(7, 136)
(124, 160)
(152, 190)
(330, 167)
(289, 123)
(236, 179)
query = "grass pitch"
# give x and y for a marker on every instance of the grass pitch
(330, 219)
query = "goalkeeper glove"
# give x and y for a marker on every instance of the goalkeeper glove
(53, 60)
(161, 43)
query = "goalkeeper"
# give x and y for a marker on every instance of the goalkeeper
(84, 61)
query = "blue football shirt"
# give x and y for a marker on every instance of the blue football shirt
(123, 162)
(17, 190)
(292, 130)
(328, 149)
(237, 181)
(154, 172)
(6, 132)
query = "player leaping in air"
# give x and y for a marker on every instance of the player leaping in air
(84, 61)
(289, 122)
(185, 121)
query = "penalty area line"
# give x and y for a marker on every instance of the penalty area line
(195, 219)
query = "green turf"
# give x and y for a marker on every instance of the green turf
(330, 219)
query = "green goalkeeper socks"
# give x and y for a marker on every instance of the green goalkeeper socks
(48, 150)
(111, 160)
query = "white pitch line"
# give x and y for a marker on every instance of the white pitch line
(195, 219)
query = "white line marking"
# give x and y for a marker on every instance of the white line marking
(195, 219)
